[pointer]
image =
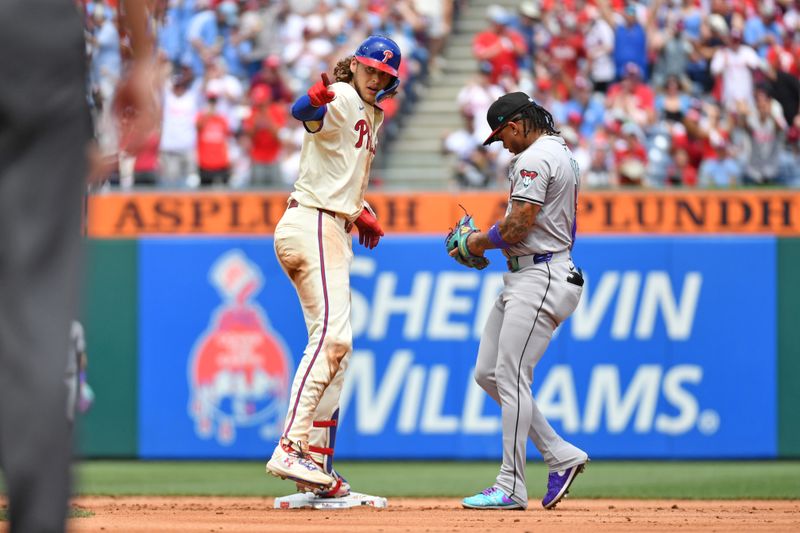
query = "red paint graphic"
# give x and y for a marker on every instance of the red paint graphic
(239, 370)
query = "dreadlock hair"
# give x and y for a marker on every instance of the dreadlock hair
(537, 118)
(341, 72)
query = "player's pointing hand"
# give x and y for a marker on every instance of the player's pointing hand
(319, 94)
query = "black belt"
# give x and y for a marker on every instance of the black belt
(515, 263)
(294, 203)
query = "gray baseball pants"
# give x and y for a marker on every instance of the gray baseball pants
(533, 302)
(44, 130)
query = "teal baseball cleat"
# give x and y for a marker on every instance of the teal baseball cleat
(491, 498)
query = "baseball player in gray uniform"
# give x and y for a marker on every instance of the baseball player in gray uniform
(541, 289)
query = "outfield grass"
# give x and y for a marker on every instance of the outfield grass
(602, 479)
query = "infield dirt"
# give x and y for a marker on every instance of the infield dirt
(231, 515)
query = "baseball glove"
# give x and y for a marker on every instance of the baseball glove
(457, 239)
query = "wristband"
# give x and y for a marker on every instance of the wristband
(496, 238)
(303, 110)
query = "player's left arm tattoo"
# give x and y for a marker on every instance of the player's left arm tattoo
(514, 228)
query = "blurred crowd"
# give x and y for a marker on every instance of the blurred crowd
(659, 93)
(229, 71)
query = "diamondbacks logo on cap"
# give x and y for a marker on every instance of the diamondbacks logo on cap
(528, 176)
(239, 369)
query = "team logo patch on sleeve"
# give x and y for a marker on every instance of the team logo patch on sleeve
(528, 176)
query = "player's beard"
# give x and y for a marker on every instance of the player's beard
(360, 82)
(364, 94)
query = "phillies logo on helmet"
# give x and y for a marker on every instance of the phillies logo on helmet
(239, 369)
(387, 55)
(528, 176)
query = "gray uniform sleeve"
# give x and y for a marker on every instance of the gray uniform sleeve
(530, 178)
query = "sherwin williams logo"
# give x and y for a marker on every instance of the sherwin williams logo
(239, 369)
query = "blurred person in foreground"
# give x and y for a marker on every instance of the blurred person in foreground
(44, 137)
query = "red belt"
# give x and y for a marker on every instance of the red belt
(293, 203)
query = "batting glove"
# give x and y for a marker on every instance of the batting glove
(319, 94)
(369, 230)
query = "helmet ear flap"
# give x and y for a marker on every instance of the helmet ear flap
(389, 91)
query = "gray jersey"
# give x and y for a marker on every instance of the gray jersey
(546, 174)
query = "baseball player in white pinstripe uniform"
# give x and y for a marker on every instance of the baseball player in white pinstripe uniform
(314, 247)
(541, 289)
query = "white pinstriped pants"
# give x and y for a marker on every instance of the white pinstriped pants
(316, 252)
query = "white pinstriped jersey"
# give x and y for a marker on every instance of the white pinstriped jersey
(546, 174)
(335, 161)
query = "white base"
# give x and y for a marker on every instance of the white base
(309, 500)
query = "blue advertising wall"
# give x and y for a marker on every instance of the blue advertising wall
(671, 353)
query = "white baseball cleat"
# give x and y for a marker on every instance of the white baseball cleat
(288, 463)
(339, 489)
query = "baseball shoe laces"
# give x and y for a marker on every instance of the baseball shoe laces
(491, 498)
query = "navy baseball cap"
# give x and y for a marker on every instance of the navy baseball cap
(503, 110)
